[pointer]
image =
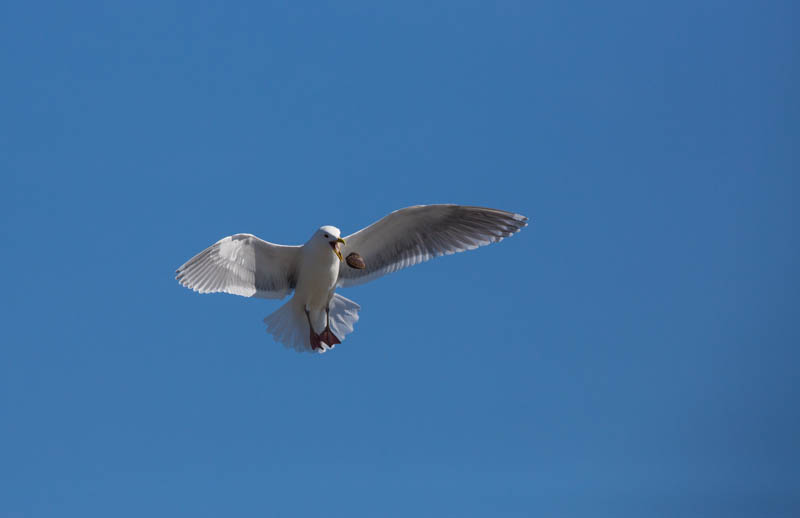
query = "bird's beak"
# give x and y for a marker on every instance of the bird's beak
(335, 246)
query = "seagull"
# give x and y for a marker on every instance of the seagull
(317, 318)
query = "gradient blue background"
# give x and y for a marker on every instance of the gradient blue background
(633, 352)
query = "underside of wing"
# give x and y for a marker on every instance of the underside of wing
(242, 264)
(416, 234)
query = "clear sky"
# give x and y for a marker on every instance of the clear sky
(633, 352)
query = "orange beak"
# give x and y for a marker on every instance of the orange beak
(335, 246)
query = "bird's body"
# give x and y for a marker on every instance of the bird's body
(316, 284)
(317, 318)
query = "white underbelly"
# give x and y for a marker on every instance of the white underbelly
(316, 282)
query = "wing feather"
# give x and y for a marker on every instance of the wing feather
(242, 264)
(416, 234)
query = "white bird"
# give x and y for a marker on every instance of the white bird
(317, 318)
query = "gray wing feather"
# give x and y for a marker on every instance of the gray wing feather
(416, 234)
(242, 264)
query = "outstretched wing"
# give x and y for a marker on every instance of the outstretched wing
(415, 234)
(242, 265)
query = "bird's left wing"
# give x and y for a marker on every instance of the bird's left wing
(415, 234)
(242, 264)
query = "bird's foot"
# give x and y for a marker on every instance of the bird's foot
(316, 343)
(329, 338)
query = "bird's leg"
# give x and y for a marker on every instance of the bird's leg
(327, 336)
(314, 337)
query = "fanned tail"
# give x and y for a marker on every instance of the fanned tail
(288, 325)
(344, 315)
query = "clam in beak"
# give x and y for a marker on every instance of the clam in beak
(335, 245)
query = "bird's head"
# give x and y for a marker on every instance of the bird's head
(331, 236)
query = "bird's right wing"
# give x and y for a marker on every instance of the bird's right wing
(242, 264)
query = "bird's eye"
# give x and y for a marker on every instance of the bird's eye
(326, 235)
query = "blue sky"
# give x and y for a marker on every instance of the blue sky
(633, 352)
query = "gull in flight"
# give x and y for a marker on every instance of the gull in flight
(317, 318)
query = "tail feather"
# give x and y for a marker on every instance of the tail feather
(285, 326)
(344, 315)
(289, 325)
